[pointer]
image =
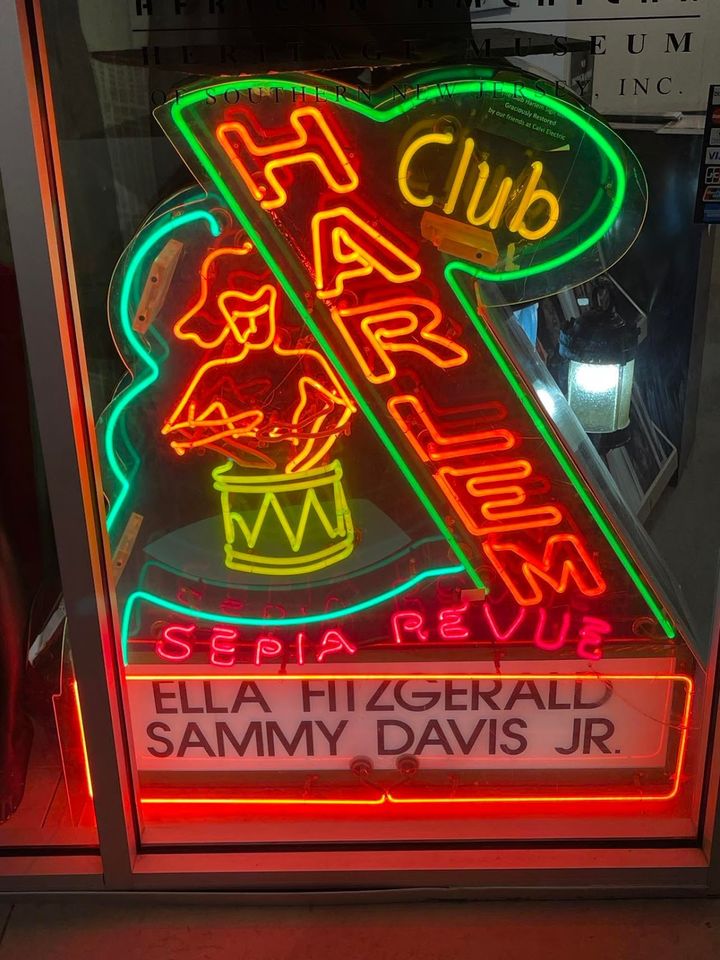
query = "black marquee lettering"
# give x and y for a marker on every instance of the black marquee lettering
(420, 700)
(332, 738)
(308, 692)
(159, 695)
(433, 736)
(254, 730)
(467, 745)
(598, 739)
(385, 751)
(210, 706)
(508, 731)
(185, 706)
(520, 693)
(305, 729)
(194, 738)
(606, 691)
(152, 733)
(575, 742)
(451, 691)
(248, 692)
(487, 696)
(553, 703)
(373, 704)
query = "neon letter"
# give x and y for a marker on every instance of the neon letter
(266, 648)
(559, 642)
(328, 156)
(406, 159)
(406, 622)
(172, 646)
(460, 172)
(340, 237)
(499, 634)
(451, 625)
(592, 634)
(414, 420)
(530, 196)
(222, 646)
(393, 326)
(501, 503)
(494, 212)
(564, 559)
(334, 642)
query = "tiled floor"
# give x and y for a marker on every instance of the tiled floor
(609, 930)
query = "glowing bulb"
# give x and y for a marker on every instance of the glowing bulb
(597, 377)
(600, 394)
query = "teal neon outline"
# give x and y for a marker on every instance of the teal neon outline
(382, 115)
(274, 621)
(139, 385)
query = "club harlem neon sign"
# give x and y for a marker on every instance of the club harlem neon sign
(325, 453)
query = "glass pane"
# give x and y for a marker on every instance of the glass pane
(45, 789)
(392, 378)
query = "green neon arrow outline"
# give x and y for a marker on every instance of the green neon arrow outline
(382, 114)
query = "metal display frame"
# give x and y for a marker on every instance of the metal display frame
(37, 215)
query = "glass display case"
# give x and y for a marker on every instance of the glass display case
(352, 596)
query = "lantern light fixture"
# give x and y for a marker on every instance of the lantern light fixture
(600, 347)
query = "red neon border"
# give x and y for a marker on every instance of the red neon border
(388, 797)
(78, 709)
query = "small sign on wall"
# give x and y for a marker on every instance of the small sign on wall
(707, 206)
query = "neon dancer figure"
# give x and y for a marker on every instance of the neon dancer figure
(274, 407)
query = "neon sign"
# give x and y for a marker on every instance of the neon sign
(326, 454)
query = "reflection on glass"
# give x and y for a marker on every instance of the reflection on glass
(45, 787)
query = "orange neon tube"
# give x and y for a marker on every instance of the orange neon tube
(78, 709)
